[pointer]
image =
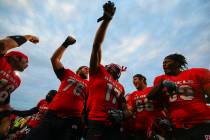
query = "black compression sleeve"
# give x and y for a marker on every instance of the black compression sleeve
(60, 73)
(25, 112)
(18, 39)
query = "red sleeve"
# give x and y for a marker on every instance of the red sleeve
(158, 80)
(62, 73)
(156, 83)
(40, 103)
(203, 76)
(101, 69)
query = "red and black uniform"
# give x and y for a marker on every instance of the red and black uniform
(187, 107)
(9, 81)
(104, 94)
(36, 118)
(63, 119)
(69, 101)
(146, 113)
(37, 113)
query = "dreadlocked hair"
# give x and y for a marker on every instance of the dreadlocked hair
(178, 58)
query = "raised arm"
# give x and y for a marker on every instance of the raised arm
(15, 41)
(25, 113)
(109, 10)
(56, 57)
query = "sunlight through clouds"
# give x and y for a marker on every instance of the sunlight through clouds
(140, 35)
(126, 47)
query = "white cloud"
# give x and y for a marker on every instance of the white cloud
(199, 56)
(180, 23)
(145, 32)
(125, 48)
(20, 5)
(67, 8)
(157, 6)
(16, 3)
(62, 10)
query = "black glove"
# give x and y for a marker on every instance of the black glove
(170, 86)
(115, 115)
(109, 10)
(69, 41)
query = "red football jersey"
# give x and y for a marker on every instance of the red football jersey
(69, 101)
(36, 118)
(187, 107)
(9, 81)
(146, 111)
(104, 93)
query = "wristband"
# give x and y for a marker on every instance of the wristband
(18, 39)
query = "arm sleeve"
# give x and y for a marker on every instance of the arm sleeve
(204, 77)
(157, 81)
(25, 113)
(18, 39)
(60, 73)
(156, 91)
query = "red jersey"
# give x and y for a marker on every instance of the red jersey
(36, 118)
(9, 81)
(104, 93)
(69, 101)
(187, 107)
(146, 111)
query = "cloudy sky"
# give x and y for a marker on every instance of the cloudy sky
(140, 35)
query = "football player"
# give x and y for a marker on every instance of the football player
(144, 111)
(183, 90)
(9, 81)
(105, 92)
(36, 114)
(63, 119)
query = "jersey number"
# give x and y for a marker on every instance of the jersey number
(109, 90)
(144, 104)
(78, 88)
(185, 93)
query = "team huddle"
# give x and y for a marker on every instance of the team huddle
(91, 103)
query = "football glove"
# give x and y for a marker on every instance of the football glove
(115, 115)
(109, 10)
(170, 86)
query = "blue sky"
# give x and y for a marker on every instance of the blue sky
(140, 35)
